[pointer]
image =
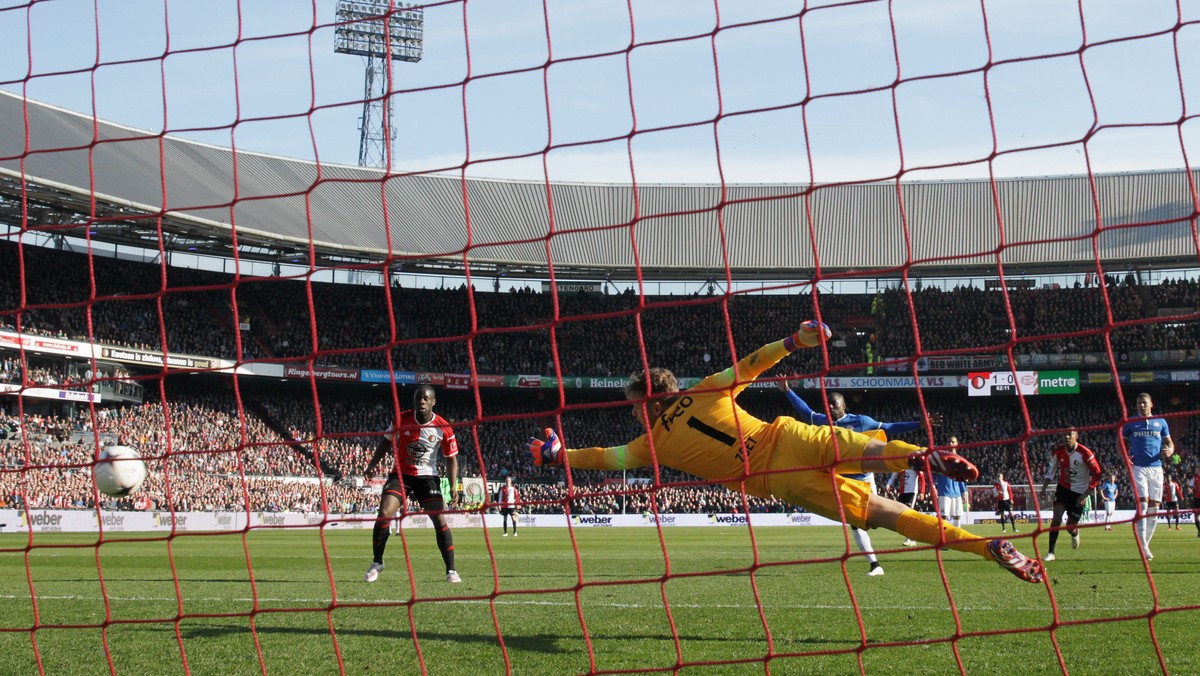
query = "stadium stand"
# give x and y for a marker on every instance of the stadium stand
(207, 454)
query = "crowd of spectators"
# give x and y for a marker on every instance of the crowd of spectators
(575, 334)
(1034, 320)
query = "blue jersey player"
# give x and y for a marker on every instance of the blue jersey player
(950, 496)
(1109, 493)
(1147, 442)
(858, 423)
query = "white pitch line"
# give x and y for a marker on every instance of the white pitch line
(587, 604)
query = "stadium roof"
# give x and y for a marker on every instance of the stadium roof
(62, 161)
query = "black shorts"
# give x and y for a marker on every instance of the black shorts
(426, 490)
(508, 511)
(1171, 506)
(1195, 503)
(909, 499)
(1004, 506)
(1069, 499)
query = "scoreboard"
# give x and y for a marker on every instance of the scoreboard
(1023, 383)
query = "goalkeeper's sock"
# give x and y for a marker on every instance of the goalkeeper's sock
(896, 454)
(445, 542)
(894, 457)
(927, 528)
(379, 538)
(863, 540)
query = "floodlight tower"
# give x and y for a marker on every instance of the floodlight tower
(381, 31)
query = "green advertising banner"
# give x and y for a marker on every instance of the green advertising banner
(1058, 382)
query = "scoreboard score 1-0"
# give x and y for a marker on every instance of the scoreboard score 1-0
(1023, 383)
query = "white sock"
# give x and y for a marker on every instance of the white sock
(864, 543)
(1151, 523)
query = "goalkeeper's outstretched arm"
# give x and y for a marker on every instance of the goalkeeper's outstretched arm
(550, 451)
(750, 367)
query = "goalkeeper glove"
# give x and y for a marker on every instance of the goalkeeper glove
(811, 334)
(548, 452)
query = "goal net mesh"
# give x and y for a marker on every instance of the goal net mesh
(862, 163)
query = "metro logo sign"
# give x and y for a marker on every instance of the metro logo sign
(1058, 382)
(1023, 383)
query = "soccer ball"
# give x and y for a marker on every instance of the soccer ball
(119, 471)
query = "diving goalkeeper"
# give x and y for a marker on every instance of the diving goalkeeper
(703, 431)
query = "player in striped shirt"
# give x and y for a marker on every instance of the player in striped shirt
(1075, 471)
(858, 423)
(1004, 500)
(912, 483)
(1172, 496)
(414, 446)
(508, 497)
(705, 432)
(1147, 440)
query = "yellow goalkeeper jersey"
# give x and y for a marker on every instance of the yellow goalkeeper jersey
(704, 432)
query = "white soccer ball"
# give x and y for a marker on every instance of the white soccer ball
(119, 471)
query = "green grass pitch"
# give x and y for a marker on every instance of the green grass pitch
(217, 601)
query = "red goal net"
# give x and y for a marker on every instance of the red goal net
(266, 244)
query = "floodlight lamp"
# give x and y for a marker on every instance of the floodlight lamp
(375, 30)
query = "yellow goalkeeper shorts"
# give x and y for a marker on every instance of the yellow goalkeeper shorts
(803, 474)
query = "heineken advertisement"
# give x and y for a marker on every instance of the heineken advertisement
(530, 382)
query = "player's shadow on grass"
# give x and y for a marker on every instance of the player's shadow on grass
(540, 643)
(185, 580)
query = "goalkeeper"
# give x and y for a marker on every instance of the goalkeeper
(703, 431)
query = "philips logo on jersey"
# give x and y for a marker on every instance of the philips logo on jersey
(1154, 433)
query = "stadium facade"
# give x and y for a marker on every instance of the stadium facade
(63, 173)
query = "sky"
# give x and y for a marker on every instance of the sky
(657, 91)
